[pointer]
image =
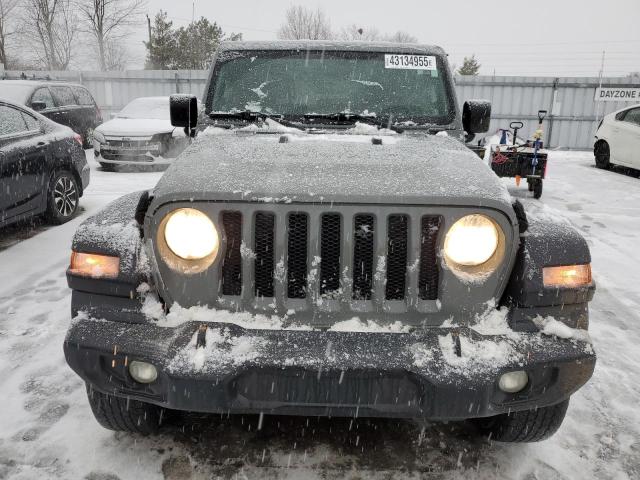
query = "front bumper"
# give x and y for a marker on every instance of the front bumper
(439, 373)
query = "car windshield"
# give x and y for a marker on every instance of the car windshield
(156, 108)
(318, 83)
(17, 93)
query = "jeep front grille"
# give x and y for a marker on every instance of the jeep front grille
(330, 255)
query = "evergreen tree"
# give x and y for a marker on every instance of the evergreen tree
(163, 46)
(470, 66)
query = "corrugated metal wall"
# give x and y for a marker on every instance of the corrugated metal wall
(572, 112)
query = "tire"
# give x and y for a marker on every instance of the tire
(530, 185)
(124, 415)
(108, 167)
(537, 189)
(526, 426)
(87, 138)
(603, 155)
(63, 197)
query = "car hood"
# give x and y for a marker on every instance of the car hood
(291, 168)
(135, 127)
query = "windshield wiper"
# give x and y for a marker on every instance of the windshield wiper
(253, 116)
(343, 118)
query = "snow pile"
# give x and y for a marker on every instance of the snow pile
(369, 326)
(474, 354)
(221, 349)
(551, 326)
(361, 128)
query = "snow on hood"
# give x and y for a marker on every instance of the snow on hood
(135, 127)
(405, 169)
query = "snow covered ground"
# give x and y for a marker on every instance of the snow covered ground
(47, 429)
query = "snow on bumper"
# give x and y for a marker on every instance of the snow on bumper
(441, 373)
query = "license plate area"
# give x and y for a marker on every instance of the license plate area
(331, 387)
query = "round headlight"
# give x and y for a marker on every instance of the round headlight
(190, 234)
(471, 241)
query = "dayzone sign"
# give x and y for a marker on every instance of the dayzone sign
(615, 94)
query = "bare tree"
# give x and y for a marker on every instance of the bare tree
(109, 22)
(302, 23)
(372, 34)
(7, 27)
(353, 32)
(51, 27)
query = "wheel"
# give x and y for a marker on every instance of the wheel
(537, 189)
(87, 138)
(124, 415)
(602, 154)
(63, 197)
(526, 426)
(530, 184)
(108, 167)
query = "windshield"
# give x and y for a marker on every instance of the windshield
(321, 83)
(156, 108)
(15, 92)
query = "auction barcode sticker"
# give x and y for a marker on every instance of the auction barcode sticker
(410, 62)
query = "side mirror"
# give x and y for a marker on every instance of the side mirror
(37, 106)
(476, 115)
(184, 111)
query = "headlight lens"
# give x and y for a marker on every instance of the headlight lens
(190, 234)
(471, 241)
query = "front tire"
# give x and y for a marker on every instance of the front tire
(602, 154)
(526, 426)
(537, 189)
(124, 415)
(63, 197)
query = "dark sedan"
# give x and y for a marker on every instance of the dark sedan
(43, 168)
(64, 103)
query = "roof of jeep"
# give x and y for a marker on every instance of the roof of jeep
(356, 46)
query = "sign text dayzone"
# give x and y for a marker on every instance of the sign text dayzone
(615, 94)
(410, 62)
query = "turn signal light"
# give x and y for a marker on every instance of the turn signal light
(93, 265)
(567, 276)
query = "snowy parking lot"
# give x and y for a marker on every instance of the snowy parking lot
(47, 429)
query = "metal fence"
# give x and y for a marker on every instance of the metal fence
(571, 121)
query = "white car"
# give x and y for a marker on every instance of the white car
(140, 133)
(618, 139)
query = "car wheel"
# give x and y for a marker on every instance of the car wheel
(526, 426)
(108, 167)
(124, 415)
(537, 189)
(63, 197)
(87, 138)
(602, 154)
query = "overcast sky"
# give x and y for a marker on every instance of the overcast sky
(538, 37)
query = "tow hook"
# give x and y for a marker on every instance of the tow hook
(201, 341)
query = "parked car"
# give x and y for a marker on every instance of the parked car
(618, 139)
(140, 132)
(64, 103)
(43, 168)
(305, 256)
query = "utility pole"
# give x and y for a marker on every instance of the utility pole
(150, 44)
(599, 86)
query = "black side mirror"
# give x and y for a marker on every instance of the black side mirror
(476, 115)
(184, 111)
(37, 106)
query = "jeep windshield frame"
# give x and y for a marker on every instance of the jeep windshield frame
(230, 91)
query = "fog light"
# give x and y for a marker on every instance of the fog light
(513, 382)
(143, 372)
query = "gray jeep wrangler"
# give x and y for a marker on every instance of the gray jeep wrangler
(327, 245)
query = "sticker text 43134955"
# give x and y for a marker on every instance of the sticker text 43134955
(410, 62)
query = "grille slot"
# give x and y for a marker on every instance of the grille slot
(232, 261)
(297, 239)
(330, 234)
(428, 276)
(363, 234)
(396, 257)
(264, 244)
